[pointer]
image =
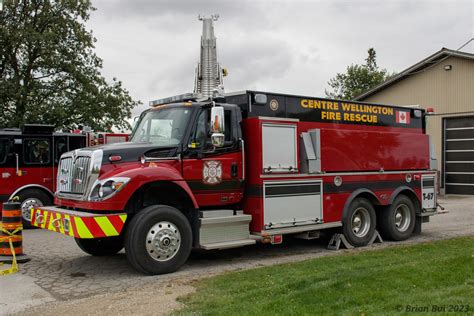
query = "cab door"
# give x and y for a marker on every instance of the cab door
(215, 175)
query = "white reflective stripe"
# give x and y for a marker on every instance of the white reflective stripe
(469, 184)
(460, 151)
(459, 172)
(331, 174)
(458, 139)
(459, 161)
(458, 128)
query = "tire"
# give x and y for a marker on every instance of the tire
(101, 246)
(397, 221)
(154, 249)
(359, 223)
(31, 197)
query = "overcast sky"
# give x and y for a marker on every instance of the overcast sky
(152, 46)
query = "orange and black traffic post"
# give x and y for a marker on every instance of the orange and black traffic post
(11, 238)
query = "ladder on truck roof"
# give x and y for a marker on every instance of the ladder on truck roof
(209, 73)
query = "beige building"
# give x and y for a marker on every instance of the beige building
(443, 81)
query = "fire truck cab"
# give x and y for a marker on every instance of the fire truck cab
(245, 168)
(28, 163)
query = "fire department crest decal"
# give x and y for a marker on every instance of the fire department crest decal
(274, 105)
(212, 172)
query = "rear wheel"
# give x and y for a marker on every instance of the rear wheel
(359, 224)
(106, 246)
(158, 240)
(397, 221)
(30, 199)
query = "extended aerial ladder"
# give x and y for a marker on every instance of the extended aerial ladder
(209, 73)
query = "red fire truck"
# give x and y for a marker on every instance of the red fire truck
(29, 160)
(245, 168)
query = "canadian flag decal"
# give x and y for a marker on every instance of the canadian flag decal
(403, 117)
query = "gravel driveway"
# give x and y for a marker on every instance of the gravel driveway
(70, 281)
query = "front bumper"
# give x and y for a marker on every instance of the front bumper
(78, 224)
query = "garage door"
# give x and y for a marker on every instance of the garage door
(459, 155)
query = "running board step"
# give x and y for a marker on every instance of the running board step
(228, 244)
(220, 232)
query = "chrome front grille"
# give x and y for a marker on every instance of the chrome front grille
(73, 174)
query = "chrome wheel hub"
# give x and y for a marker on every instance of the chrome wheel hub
(360, 222)
(163, 241)
(26, 207)
(402, 217)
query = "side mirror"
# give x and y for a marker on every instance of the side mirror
(217, 126)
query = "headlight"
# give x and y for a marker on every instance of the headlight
(104, 189)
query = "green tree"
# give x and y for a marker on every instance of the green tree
(49, 71)
(358, 79)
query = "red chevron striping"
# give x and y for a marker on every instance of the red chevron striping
(56, 226)
(48, 218)
(62, 216)
(73, 226)
(116, 222)
(93, 227)
(33, 218)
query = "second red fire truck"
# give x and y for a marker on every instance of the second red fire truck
(245, 168)
(29, 159)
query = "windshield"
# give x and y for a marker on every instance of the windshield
(165, 127)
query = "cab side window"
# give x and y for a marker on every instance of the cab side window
(61, 147)
(37, 151)
(200, 137)
(4, 149)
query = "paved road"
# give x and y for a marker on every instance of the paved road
(60, 271)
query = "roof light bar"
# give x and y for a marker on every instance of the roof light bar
(176, 98)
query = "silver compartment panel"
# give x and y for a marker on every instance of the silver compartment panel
(292, 203)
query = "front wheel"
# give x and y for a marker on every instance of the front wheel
(359, 224)
(106, 246)
(30, 199)
(158, 240)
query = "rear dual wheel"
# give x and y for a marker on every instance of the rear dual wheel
(397, 221)
(359, 223)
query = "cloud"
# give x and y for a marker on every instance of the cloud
(284, 46)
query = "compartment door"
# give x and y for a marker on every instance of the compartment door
(292, 203)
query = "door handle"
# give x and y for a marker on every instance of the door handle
(234, 170)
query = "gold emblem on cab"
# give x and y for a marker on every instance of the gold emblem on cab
(274, 105)
(212, 172)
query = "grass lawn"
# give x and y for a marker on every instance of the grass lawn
(387, 281)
